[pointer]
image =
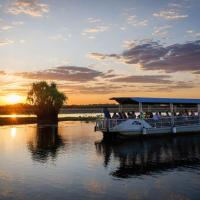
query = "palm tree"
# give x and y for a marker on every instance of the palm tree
(46, 101)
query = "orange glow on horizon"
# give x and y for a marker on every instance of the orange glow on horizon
(13, 99)
(84, 99)
(13, 116)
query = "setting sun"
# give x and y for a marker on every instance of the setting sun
(13, 98)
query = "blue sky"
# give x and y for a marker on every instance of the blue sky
(110, 40)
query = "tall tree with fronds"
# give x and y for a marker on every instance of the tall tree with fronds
(46, 101)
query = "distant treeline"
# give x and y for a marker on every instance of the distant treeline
(90, 108)
(16, 109)
(27, 109)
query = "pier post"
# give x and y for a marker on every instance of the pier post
(199, 111)
(172, 114)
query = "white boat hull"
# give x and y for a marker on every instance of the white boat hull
(133, 127)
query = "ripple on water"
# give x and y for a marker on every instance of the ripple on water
(70, 160)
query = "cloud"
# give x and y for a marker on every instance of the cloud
(5, 26)
(109, 74)
(154, 56)
(128, 44)
(22, 41)
(96, 29)
(2, 73)
(97, 26)
(93, 20)
(161, 31)
(122, 28)
(101, 56)
(158, 79)
(134, 21)
(197, 72)
(15, 89)
(173, 58)
(172, 87)
(183, 85)
(5, 42)
(60, 37)
(115, 87)
(193, 33)
(170, 14)
(28, 7)
(17, 23)
(96, 89)
(82, 80)
(127, 11)
(176, 5)
(65, 73)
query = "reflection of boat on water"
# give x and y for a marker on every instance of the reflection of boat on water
(46, 143)
(150, 156)
(180, 116)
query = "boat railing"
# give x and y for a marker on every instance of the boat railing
(187, 120)
(162, 122)
(109, 124)
(168, 122)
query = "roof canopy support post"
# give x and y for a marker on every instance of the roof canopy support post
(199, 111)
(172, 114)
(140, 110)
(175, 108)
(148, 108)
(120, 107)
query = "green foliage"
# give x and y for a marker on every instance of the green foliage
(45, 99)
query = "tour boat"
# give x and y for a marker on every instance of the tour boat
(174, 122)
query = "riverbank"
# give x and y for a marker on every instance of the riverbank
(33, 120)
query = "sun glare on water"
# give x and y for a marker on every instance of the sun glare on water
(13, 132)
(13, 98)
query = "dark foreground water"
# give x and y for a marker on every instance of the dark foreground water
(72, 162)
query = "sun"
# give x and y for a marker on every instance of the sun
(13, 98)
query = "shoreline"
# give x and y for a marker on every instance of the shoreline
(4, 121)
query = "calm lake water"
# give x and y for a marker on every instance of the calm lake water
(72, 162)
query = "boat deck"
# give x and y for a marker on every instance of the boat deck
(163, 125)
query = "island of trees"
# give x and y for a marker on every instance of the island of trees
(45, 101)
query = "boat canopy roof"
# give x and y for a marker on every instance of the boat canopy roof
(148, 100)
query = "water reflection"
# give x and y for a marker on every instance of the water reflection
(46, 144)
(151, 156)
(13, 132)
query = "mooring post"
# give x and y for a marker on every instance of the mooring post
(199, 111)
(172, 114)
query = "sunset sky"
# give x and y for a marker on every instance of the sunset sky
(95, 50)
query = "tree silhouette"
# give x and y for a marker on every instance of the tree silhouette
(46, 101)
